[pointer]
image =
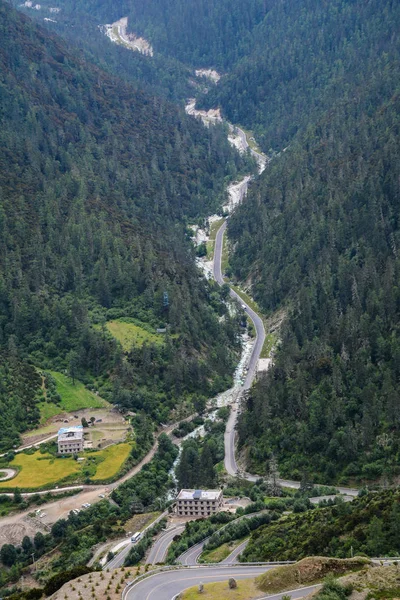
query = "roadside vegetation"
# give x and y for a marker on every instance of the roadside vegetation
(369, 525)
(151, 486)
(196, 531)
(270, 338)
(221, 541)
(221, 552)
(138, 551)
(18, 503)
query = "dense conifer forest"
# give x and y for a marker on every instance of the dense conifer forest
(369, 525)
(97, 183)
(196, 33)
(283, 84)
(319, 236)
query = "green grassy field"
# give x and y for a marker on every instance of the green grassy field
(38, 470)
(73, 396)
(129, 334)
(47, 410)
(113, 458)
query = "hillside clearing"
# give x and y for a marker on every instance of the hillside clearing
(129, 334)
(74, 396)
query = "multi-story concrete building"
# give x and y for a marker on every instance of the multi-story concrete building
(70, 440)
(198, 503)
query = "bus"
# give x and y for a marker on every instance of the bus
(136, 537)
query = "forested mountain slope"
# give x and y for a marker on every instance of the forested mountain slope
(320, 235)
(368, 525)
(198, 33)
(201, 33)
(97, 181)
(82, 23)
(304, 55)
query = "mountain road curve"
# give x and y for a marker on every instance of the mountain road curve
(192, 554)
(232, 558)
(167, 585)
(261, 158)
(159, 549)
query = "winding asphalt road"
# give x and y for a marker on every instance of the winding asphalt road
(230, 460)
(261, 159)
(168, 584)
(192, 555)
(160, 547)
(234, 555)
(119, 559)
(257, 321)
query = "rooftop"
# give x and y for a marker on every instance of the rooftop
(66, 433)
(199, 494)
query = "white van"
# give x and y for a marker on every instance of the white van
(136, 537)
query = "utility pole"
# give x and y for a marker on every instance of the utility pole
(33, 561)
